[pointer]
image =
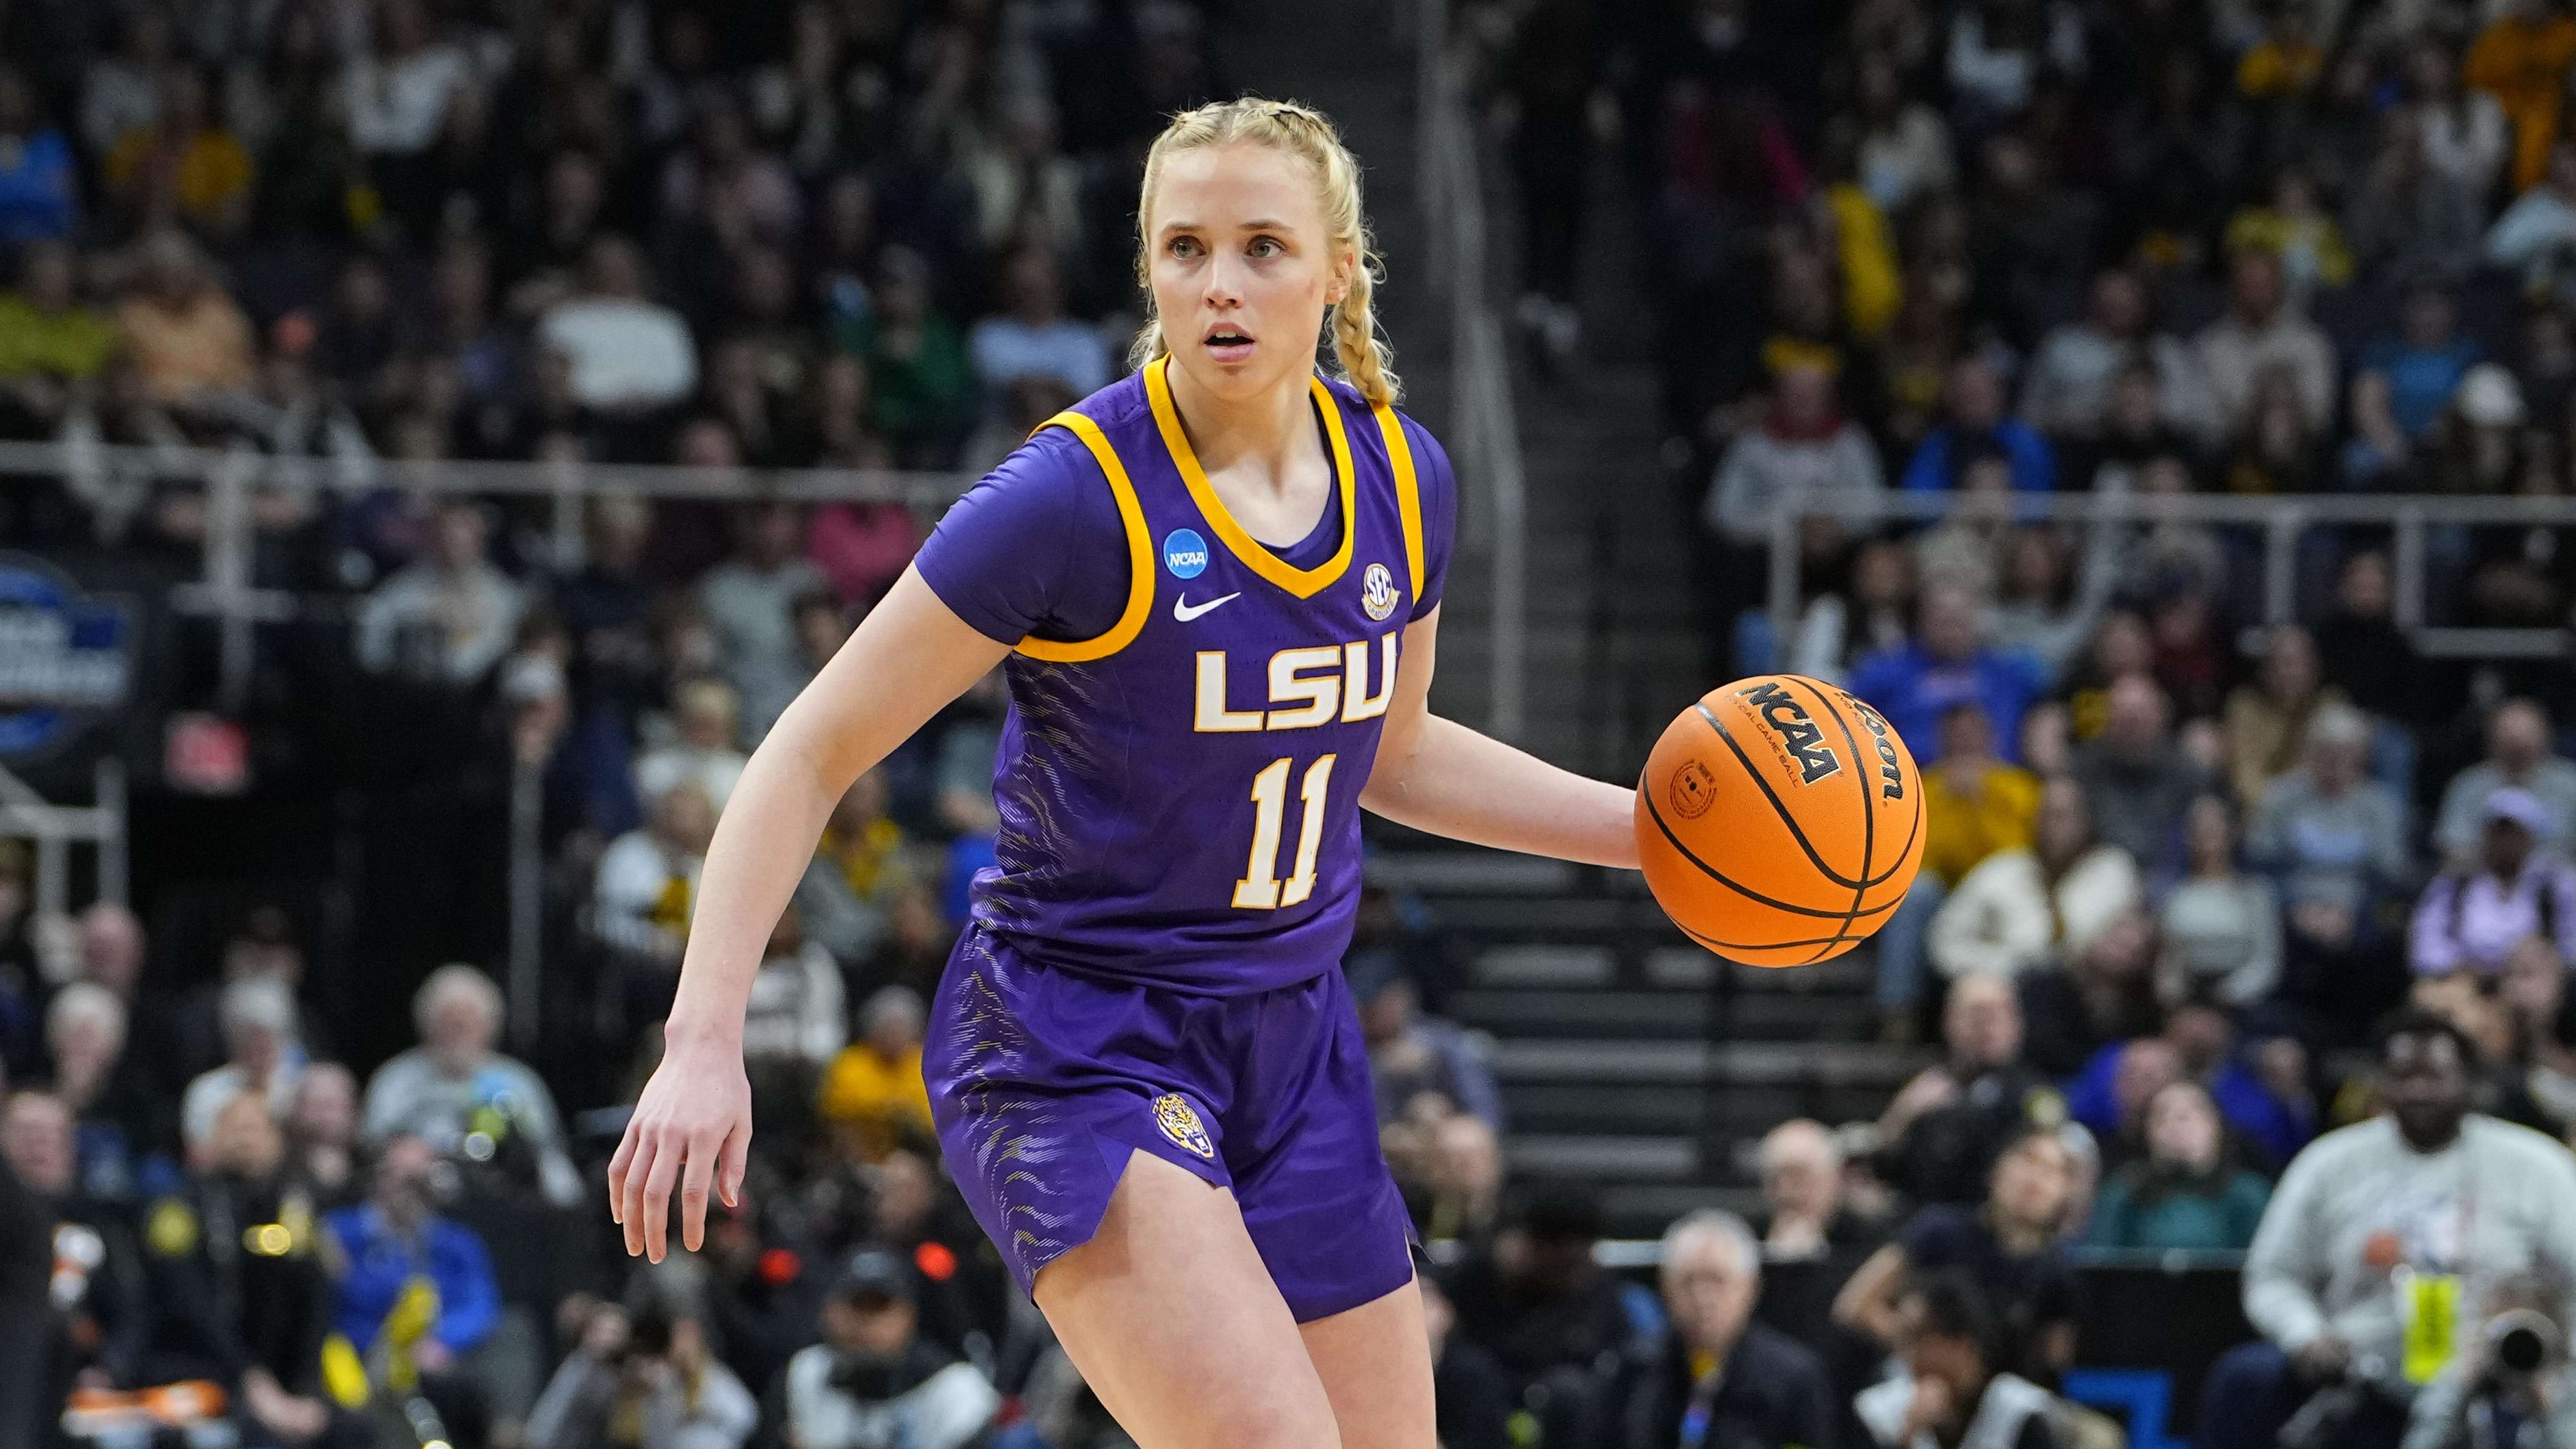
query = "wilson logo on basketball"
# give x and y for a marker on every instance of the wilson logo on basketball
(1891, 775)
(1694, 789)
(1798, 731)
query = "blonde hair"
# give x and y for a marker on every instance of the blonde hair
(1365, 359)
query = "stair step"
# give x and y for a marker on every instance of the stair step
(1542, 965)
(1595, 1157)
(1435, 872)
(1691, 1063)
(1690, 968)
(1662, 1014)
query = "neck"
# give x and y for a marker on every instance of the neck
(1266, 428)
(2017, 1236)
(2435, 1142)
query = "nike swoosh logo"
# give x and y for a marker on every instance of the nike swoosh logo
(1185, 611)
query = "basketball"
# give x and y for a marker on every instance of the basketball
(1779, 821)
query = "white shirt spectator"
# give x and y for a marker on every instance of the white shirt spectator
(2068, 388)
(797, 1008)
(632, 902)
(467, 616)
(211, 1092)
(2539, 225)
(2001, 917)
(1909, 159)
(714, 771)
(414, 1096)
(625, 352)
(2465, 144)
(1006, 349)
(398, 105)
(2234, 354)
(943, 1411)
(2492, 1203)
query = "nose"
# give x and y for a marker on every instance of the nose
(1225, 275)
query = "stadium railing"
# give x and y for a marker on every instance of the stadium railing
(2282, 520)
(1484, 423)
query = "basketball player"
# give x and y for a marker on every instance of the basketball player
(1217, 586)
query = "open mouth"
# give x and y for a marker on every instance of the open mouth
(1228, 344)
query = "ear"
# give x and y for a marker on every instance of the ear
(1345, 264)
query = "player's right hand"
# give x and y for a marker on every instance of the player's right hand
(691, 1131)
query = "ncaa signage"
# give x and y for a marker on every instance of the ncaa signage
(64, 657)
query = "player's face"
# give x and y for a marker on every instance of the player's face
(1242, 266)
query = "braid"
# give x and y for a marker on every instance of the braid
(1359, 353)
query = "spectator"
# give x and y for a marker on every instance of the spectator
(1940, 1135)
(39, 193)
(1975, 425)
(2522, 59)
(1944, 664)
(395, 1241)
(2016, 906)
(2101, 994)
(1539, 1301)
(858, 871)
(707, 752)
(2470, 920)
(2185, 1193)
(748, 601)
(873, 1092)
(118, 94)
(1411, 1053)
(2221, 926)
(2261, 331)
(54, 350)
(1034, 337)
(924, 383)
(2136, 778)
(1718, 1376)
(2368, 1225)
(2519, 755)
(322, 1136)
(2197, 1044)
(190, 345)
(628, 354)
(648, 878)
(652, 1373)
(2536, 236)
(263, 1058)
(1904, 147)
(2267, 721)
(2008, 1246)
(1461, 1194)
(2533, 995)
(448, 618)
(2294, 226)
(1953, 1389)
(101, 1320)
(796, 1015)
(184, 164)
(873, 1383)
(1810, 1228)
(2336, 840)
(251, 1321)
(1471, 1404)
(2413, 375)
(456, 1084)
(118, 1118)
(2361, 648)
(2067, 394)
(2479, 1396)
(1804, 451)
(1974, 806)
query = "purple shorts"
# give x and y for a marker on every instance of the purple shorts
(1043, 1081)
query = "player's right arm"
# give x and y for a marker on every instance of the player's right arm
(691, 1129)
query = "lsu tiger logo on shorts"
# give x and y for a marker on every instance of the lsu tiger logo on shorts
(1377, 591)
(1180, 1122)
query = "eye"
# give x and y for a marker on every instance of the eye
(1265, 246)
(1183, 246)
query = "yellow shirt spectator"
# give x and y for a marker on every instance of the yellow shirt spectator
(208, 173)
(1974, 811)
(879, 1097)
(2522, 60)
(65, 344)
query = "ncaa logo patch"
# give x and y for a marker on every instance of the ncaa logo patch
(1185, 553)
(1377, 591)
(1180, 1122)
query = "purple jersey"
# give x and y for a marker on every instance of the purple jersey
(1179, 795)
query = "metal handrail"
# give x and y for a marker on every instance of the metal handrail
(1484, 423)
(2281, 517)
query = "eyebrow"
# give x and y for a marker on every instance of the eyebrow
(1262, 223)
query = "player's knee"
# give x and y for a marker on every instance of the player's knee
(1275, 1424)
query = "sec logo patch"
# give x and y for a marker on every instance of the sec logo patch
(1185, 553)
(1180, 1122)
(1377, 591)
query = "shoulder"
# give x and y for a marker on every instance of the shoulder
(1936, 1235)
(2341, 1148)
(1775, 1357)
(2522, 1147)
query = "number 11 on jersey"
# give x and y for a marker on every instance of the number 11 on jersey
(1261, 889)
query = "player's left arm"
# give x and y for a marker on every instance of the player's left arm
(1439, 776)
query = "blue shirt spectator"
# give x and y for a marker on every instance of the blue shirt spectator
(2424, 364)
(1976, 426)
(36, 181)
(1914, 683)
(391, 1239)
(2102, 1100)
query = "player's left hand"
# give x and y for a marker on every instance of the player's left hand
(691, 1131)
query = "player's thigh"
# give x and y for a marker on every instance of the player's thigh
(1175, 1324)
(1375, 1362)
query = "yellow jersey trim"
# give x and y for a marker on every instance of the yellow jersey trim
(1408, 491)
(1304, 583)
(1140, 555)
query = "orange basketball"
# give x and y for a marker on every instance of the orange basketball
(1779, 821)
